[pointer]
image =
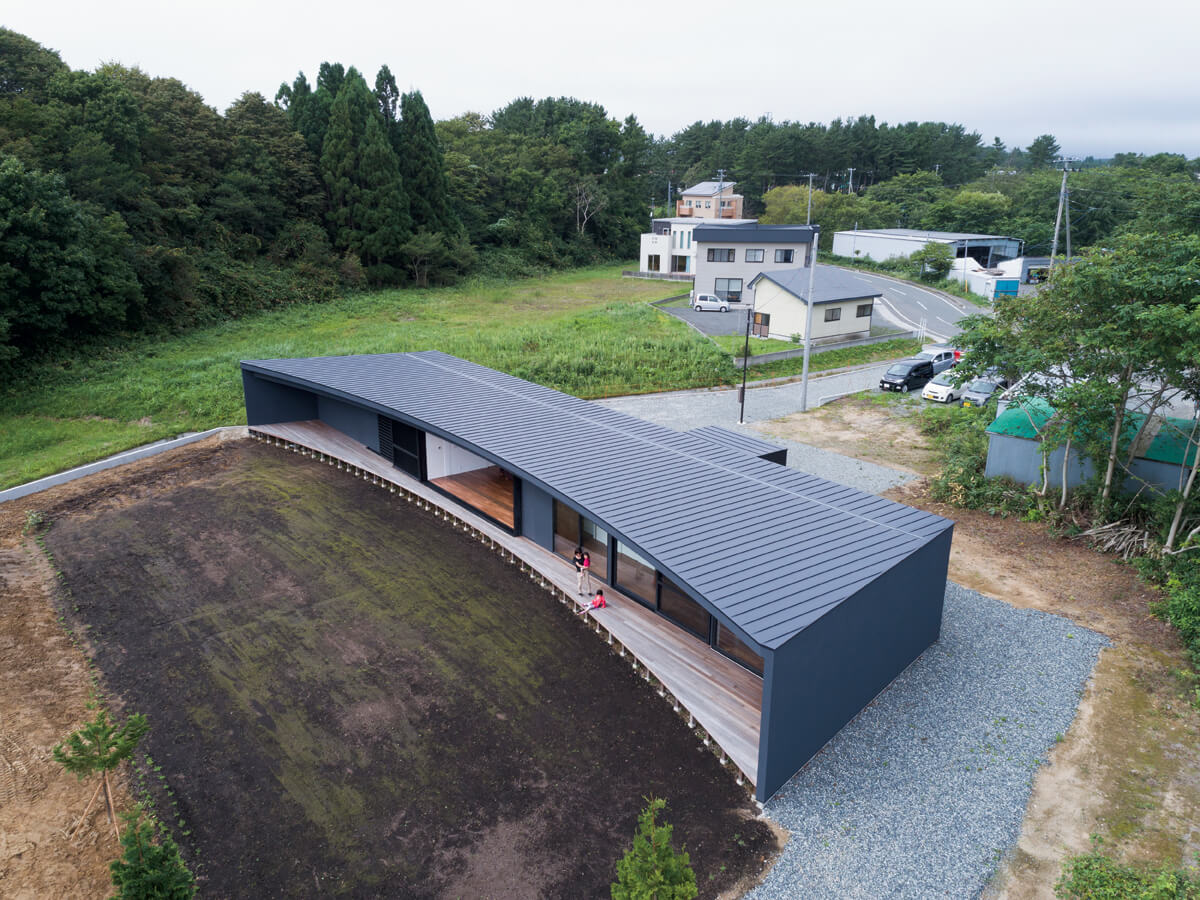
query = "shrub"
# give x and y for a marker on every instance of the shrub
(1095, 876)
(651, 869)
(150, 869)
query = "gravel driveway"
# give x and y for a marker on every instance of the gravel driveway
(924, 792)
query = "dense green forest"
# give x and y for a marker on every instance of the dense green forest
(127, 204)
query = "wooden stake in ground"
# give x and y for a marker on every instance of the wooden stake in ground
(98, 747)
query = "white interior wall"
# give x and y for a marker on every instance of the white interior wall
(443, 458)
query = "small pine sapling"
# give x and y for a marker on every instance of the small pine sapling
(651, 869)
(150, 870)
(98, 747)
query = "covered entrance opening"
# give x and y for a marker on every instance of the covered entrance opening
(473, 480)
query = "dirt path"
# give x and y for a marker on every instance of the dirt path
(1129, 768)
(45, 689)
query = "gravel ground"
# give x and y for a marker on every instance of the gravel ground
(683, 410)
(924, 792)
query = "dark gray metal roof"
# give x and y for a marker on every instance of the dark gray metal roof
(756, 234)
(769, 549)
(830, 285)
(724, 439)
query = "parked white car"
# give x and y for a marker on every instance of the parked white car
(941, 389)
(710, 302)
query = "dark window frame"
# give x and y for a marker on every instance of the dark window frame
(833, 314)
(759, 258)
(715, 253)
(785, 256)
(864, 310)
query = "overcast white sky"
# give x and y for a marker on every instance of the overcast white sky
(1101, 76)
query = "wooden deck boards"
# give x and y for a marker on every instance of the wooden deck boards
(724, 698)
(489, 490)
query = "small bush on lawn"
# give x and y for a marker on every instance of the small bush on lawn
(150, 869)
(651, 869)
(1095, 876)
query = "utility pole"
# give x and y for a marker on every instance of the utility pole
(1065, 161)
(810, 176)
(745, 369)
(850, 183)
(812, 271)
(1067, 216)
(720, 189)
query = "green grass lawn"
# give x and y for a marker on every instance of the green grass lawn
(588, 332)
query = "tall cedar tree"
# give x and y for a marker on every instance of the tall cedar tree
(387, 95)
(341, 162)
(422, 167)
(385, 222)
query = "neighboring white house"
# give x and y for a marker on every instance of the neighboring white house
(670, 249)
(842, 304)
(710, 200)
(728, 257)
(882, 244)
(1003, 279)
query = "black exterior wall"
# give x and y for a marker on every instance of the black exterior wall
(360, 424)
(825, 675)
(537, 515)
(268, 402)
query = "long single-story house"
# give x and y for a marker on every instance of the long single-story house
(842, 303)
(822, 593)
(882, 244)
(1161, 460)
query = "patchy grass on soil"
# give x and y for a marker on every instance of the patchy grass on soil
(348, 696)
(590, 333)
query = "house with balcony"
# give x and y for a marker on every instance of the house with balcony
(729, 257)
(710, 200)
(669, 250)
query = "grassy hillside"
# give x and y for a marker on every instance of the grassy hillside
(588, 332)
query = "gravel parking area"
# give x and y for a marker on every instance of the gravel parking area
(924, 792)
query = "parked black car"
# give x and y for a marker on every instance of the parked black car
(907, 375)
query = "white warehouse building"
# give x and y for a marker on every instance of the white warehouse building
(882, 244)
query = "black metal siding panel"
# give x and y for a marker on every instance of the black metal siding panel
(826, 673)
(761, 544)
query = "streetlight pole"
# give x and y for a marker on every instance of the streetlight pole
(812, 271)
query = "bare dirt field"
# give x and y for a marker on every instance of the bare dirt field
(1129, 769)
(346, 696)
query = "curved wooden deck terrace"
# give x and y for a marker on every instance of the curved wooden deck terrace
(719, 698)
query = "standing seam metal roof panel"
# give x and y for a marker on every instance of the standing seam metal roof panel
(529, 428)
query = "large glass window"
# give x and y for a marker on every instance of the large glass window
(679, 263)
(733, 647)
(682, 609)
(635, 574)
(728, 288)
(595, 542)
(652, 262)
(566, 530)
(722, 254)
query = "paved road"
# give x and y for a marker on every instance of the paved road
(905, 305)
